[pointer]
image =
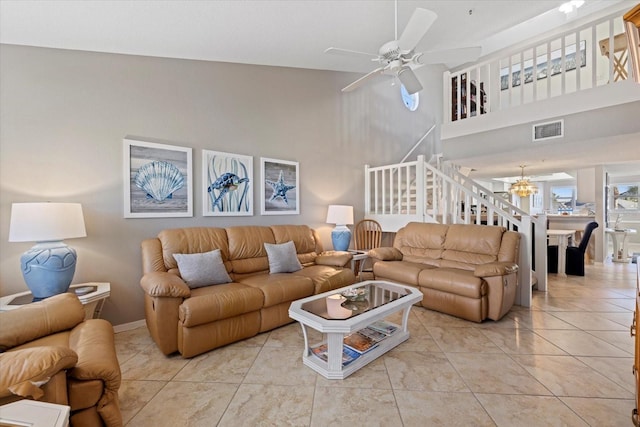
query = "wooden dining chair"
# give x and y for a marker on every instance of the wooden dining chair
(368, 235)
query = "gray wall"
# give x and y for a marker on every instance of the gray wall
(64, 115)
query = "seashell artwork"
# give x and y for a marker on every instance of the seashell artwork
(159, 180)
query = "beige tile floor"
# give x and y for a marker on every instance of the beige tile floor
(566, 361)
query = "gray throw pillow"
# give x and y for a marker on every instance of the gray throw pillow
(202, 269)
(282, 258)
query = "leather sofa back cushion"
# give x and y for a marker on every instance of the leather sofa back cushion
(467, 245)
(191, 241)
(307, 242)
(39, 319)
(246, 248)
(421, 242)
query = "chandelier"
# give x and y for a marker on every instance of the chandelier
(523, 187)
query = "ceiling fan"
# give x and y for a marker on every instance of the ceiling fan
(398, 57)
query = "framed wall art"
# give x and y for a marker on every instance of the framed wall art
(227, 184)
(279, 187)
(157, 180)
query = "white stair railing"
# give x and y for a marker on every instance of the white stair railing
(420, 192)
(585, 57)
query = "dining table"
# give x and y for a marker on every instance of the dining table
(562, 238)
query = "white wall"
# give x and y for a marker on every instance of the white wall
(65, 114)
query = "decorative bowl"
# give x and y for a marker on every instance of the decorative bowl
(356, 294)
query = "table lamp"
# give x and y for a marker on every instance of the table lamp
(340, 215)
(47, 267)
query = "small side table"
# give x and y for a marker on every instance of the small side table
(358, 256)
(92, 300)
(33, 413)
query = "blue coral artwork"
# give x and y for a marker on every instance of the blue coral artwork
(157, 180)
(280, 187)
(227, 184)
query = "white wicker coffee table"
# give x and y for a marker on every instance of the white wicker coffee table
(353, 320)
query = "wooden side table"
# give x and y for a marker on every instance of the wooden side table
(92, 295)
(33, 413)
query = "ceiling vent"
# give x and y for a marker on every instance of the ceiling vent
(548, 130)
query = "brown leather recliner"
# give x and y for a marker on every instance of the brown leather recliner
(51, 354)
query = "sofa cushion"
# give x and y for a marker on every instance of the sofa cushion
(421, 242)
(282, 257)
(400, 271)
(213, 303)
(246, 249)
(202, 269)
(453, 281)
(191, 241)
(468, 245)
(327, 278)
(280, 287)
(41, 319)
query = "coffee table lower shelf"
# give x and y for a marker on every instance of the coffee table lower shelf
(343, 371)
(383, 299)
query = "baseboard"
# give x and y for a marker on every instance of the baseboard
(129, 326)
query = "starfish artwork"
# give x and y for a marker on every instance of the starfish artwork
(280, 189)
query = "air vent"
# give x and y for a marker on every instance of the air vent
(549, 130)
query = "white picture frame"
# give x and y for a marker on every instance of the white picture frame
(158, 180)
(279, 187)
(227, 184)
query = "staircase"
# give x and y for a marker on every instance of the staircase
(421, 191)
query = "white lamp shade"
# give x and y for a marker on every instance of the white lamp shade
(340, 215)
(45, 222)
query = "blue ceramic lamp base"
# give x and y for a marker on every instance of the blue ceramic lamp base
(48, 268)
(341, 238)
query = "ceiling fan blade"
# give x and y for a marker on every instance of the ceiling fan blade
(416, 28)
(451, 56)
(362, 80)
(409, 80)
(348, 52)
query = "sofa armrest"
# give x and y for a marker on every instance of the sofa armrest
(334, 258)
(386, 254)
(495, 269)
(24, 371)
(162, 284)
(93, 340)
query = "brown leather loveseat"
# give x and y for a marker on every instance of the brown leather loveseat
(465, 270)
(51, 354)
(193, 315)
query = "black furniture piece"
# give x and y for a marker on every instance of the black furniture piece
(574, 265)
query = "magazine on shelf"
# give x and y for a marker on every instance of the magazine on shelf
(384, 327)
(372, 334)
(359, 342)
(348, 355)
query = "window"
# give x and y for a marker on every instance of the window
(410, 101)
(563, 199)
(624, 198)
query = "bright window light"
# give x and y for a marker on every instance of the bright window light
(569, 6)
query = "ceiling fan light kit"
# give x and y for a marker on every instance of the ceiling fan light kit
(398, 57)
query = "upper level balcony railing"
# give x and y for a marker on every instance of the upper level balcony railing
(589, 56)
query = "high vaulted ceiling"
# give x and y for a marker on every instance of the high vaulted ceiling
(290, 33)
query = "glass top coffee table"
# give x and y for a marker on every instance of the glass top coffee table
(352, 321)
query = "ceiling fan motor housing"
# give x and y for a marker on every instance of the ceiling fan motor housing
(389, 51)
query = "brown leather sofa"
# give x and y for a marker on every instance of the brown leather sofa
(465, 270)
(195, 320)
(51, 354)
